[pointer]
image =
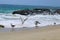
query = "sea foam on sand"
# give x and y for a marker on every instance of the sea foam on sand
(8, 19)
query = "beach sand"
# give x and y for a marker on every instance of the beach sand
(45, 33)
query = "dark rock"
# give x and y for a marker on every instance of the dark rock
(1, 26)
(57, 11)
(22, 12)
(31, 12)
(41, 10)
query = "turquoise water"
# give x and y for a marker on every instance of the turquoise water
(10, 8)
(5, 8)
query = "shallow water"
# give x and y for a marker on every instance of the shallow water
(14, 29)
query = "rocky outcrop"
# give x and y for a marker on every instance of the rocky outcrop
(57, 11)
(40, 11)
(36, 11)
(22, 12)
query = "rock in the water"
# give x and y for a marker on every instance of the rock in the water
(22, 12)
(1, 26)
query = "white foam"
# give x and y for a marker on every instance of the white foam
(8, 19)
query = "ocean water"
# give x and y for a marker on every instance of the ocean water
(7, 18)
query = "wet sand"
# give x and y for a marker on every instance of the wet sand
(45, 33)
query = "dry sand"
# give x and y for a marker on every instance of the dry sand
(46, 33)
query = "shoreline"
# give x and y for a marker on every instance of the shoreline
(26, 28)
(45, 33)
